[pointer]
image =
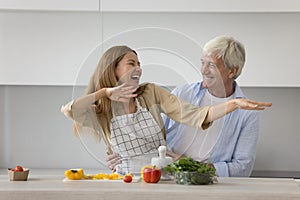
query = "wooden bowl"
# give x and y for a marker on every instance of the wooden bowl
(18, 176)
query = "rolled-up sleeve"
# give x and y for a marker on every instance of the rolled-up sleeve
(67, 109)
(84, 117)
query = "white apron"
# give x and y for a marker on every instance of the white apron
(136, 137)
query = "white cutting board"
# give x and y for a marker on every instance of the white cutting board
(134, 180)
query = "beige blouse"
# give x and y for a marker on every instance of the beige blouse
(152, 97)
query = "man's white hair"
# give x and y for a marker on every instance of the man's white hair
(230, 50)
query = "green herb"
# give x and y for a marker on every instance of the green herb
(201, 173)
(188, 164)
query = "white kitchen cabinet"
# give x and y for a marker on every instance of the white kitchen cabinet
(50, 5)
(201, 6)
(154, 5)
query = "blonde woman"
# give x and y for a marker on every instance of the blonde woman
(127, 115)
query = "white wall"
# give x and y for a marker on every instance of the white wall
(36, 134)
(278, 145)
(45, 53)
(2, 125)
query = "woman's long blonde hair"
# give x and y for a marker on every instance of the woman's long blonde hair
(104, 77)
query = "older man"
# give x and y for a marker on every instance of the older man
(230, 143)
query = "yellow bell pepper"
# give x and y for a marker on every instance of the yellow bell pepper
(74, 174)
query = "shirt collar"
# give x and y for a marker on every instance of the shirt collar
(200, 90)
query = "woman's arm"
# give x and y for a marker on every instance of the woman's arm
(199, 117)
(87, 100)
(82, 110)
(218, 111)
(119, 93)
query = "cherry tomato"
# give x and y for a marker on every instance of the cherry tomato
(19, 168)
(127, 179)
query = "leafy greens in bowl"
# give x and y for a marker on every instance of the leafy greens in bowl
(188, 171)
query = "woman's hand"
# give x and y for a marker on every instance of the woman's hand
(121, 93)
(219, 110)
(113, 160)
(247, 104)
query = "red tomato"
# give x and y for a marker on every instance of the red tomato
(19, 168)
(127, 179)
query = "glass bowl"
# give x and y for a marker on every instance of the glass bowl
(194, 178)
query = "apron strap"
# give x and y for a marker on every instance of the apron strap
(138, 105)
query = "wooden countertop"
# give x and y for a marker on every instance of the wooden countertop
(46, 185)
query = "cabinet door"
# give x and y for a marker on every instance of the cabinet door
(51, 5)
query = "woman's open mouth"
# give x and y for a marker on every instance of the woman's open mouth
(135, 77)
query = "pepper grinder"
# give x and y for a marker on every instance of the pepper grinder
(162, 161)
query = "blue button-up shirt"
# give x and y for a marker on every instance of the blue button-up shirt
(235, 148)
